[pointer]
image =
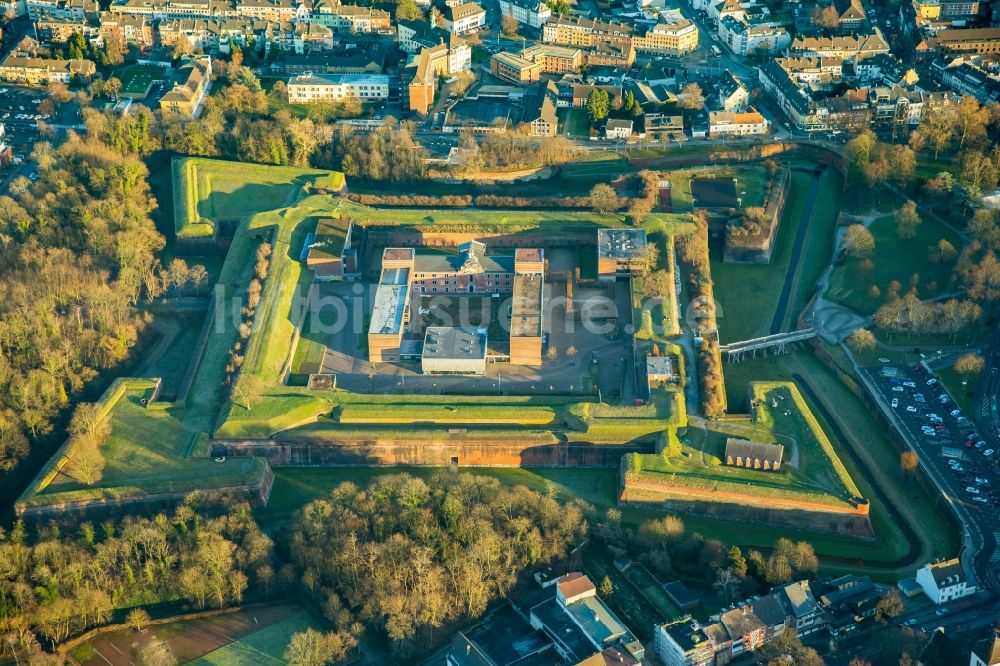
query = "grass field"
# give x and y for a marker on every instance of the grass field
(964, 396)
(749, 293)
(894, 259)
(811, 470)
(866, 449)
(576, 122)
(207, 192)
(751, 184)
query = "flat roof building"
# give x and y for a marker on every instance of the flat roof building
(620, 252)
(390, 310)
(452, 350)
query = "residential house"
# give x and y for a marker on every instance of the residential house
(730, 93)
(126, 29)
(465, 18)
(533, 13)
(850, 15)
(191, 83)
(944, 581)
(618, 129)
(351, 19)
(310, 88)
(848, 600)
(746, 631)
(610, 54)
(799, 105)
(663, 127)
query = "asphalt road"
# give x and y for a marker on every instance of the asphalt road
(950, 449)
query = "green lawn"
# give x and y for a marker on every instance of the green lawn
(964, 396)
(811, 470)
(577, 122)
(749, 293)
(207, 192)
(894, 259)
(868, 446)
(146, 453)
(485, 219)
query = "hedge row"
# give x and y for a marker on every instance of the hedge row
(466, 200)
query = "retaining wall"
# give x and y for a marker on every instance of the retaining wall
(432, 452)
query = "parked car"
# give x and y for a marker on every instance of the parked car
(972, 490)
(895, 403)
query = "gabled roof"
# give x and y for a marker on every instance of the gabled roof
(988, 649)
(947, 572)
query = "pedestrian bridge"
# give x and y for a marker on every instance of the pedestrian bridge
(778, 343)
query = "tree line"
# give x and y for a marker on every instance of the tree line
(58, 582)
(77, 252)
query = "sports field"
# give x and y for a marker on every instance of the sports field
(137, 79)
(209, 192)
(256, 635)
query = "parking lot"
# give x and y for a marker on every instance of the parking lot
(950, 448)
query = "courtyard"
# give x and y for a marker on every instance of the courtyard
(583, 351)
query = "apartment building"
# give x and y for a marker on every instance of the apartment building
(674, 38)
(746, 39)
(59, 30)
(39, 71)
(464, 18)
(976, 41)
(309, 88)
(533, 13)
(71, 10)
(584, 32)
(191, 84)
(351, 19)
(846, 47)
(555, 59)
(729, 123)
